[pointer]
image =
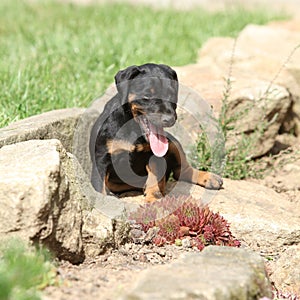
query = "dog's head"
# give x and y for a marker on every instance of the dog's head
(152, 92)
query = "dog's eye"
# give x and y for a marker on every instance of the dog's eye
(156, 101)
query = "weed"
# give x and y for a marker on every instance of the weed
(24, 271)
(239, 162)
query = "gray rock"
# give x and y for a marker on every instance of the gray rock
(283, 66)
(286, 272)
(259, 217)
(285, 175)
(216, 273)
(46, 198)
(257, 40)
(35, 198)
(252, 55)
(56, 124)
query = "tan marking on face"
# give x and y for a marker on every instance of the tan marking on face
(136, 110)
(131, 97)
(117, 146)
(134, 107)
(143, 147)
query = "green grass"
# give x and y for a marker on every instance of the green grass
(60, 55)
(23, 271)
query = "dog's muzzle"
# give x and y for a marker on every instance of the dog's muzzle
(155, 134)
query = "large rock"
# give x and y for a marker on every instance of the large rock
(253, 111)
(217, 273)
(254, 52)
(264, 92)
(253, 42)
(284, 176)
(35, 198)
(261, 218)
(47, 198)
(252, 55)
(56, 124)
(261, 41)
(285, 271)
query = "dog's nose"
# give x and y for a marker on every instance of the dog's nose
(168, 120)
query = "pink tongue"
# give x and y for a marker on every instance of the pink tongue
(158, 141)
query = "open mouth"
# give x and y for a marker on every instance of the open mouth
(156, 136)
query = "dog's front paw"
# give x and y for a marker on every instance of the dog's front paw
(212, 181)
(152, 196)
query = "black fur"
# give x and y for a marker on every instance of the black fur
(148, 91)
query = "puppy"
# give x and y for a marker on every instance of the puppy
(129, 145)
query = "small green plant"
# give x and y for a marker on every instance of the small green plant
(238, 162)
(24, 271)
(184, 218)
(232, 161)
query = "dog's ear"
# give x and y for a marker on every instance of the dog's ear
(122, 78)
(127, 74)
(170, 71)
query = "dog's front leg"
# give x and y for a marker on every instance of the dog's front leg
(156, 181)
(182, 170)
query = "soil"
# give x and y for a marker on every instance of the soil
(110, 275)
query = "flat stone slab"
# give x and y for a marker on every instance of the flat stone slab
(260, 217)
(56, 124)
(217, 273)
(285, 272)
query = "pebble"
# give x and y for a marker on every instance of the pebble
(186, 243)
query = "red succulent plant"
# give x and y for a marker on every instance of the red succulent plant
(169, 227)
(184, 217)
(145, 216)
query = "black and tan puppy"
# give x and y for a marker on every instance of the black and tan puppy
(129, 146)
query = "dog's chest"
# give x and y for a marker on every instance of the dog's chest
(125, 156)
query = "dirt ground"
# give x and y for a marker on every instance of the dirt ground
(109, 275)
